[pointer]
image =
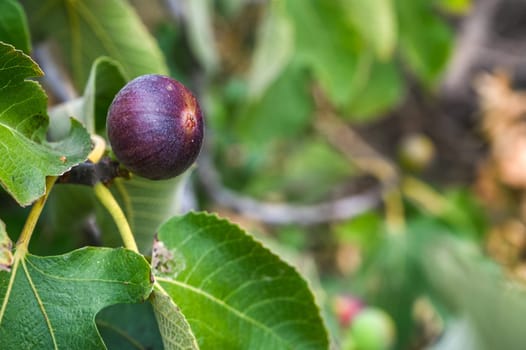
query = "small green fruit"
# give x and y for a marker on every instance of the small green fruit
(371, 329)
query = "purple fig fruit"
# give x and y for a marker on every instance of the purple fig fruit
(155, 127)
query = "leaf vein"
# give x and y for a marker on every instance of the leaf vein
(229, 308)
(204, 256)
(41, 305)
(220, 268)
(60, 278)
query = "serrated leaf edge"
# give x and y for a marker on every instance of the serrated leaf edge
(197, 214)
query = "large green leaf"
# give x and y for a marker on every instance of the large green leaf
(13, 25)
(51, 302)
(92, 28)
(25, 156)
(234, 292)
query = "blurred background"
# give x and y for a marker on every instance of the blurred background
(378, 145)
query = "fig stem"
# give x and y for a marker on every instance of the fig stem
(108, 201)
(31, 221)
(99, 147)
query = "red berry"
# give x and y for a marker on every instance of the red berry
(346, 308)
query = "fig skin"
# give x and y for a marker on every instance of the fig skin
(155, 127)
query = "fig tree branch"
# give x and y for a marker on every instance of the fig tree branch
(283, 213)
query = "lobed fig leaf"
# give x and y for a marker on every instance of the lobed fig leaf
(26, 158)
(51, 302)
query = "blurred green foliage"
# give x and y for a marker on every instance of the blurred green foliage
(362, 56)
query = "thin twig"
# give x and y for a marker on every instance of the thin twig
(283, 213)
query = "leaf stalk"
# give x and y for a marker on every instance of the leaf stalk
(29, 226)
(110, 203)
